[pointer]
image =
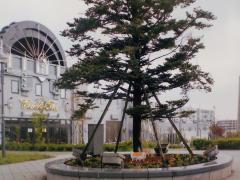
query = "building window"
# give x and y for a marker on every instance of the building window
(42, 68)
(15, 86)
(63, 93)
(38, 90)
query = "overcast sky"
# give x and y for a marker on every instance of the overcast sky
(221, 57)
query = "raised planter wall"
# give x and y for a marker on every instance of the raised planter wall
(215, 170)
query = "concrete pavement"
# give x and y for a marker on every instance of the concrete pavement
(236, 163)
(30, 170)
(34, 170)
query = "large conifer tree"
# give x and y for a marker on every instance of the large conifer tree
(144, 45)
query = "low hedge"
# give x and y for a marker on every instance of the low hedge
(201, 144)
(175, 146)
(123, 146)
(15, 146)
(230, 143)
(223, 143)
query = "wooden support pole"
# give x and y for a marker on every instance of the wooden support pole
(153, 125)
(123, 117)
(175, 128)
(100, 120)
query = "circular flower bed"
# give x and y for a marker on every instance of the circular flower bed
(151, 161)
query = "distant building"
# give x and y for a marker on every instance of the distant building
(228, 125)
(195, 126)
(238, 115)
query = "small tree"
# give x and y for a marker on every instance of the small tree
(136, 50)
(38, 119)
(216, 131)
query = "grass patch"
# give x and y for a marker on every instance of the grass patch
(16, 157)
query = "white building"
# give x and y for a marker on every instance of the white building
(111, 122)
(32, 60)
(195, 126)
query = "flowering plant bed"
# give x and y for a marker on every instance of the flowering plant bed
(151, 161)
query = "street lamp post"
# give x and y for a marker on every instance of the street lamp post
(3, 59)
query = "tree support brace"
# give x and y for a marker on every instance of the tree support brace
(123, 117)
(153, 125)
(175, 128)
(100, 120)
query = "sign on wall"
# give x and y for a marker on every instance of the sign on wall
(38, 105)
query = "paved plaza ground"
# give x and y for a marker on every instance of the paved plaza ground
(34, 170)
(31, 170)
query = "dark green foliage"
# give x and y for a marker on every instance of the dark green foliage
(201, 144)
(137, 42)
(228, 143)
(123, 146)
(15, 146)
(223, 143)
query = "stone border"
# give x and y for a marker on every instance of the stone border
(58, 168)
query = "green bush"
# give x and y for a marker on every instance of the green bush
(52, 147)
(79, 146)
(149, 144)
(15, 146)
(201, 144)
(109, 147)
(60, 147)
(125, 146)
(40, 147)
(68, 147)
(25, 146)
(230, 143)
(175, 146)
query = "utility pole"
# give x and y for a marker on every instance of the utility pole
(3, 59)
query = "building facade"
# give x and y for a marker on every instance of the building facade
(228, 125)
(195, 126)
(110, 124)
(34, 60)
(238, 115)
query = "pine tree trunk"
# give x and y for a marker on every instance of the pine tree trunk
(137, 146)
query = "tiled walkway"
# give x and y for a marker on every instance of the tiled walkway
(32, 170)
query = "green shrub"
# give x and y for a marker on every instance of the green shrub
(25, 146)
(230, 143)
(149, 144)
(125, 146)
(51, 147)
(15, 146)
(201, 144)
(109, 147)
(175, 146)
(11, 146)
(68, 147)
(60, 147)
(40, 147)
(79, 146)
